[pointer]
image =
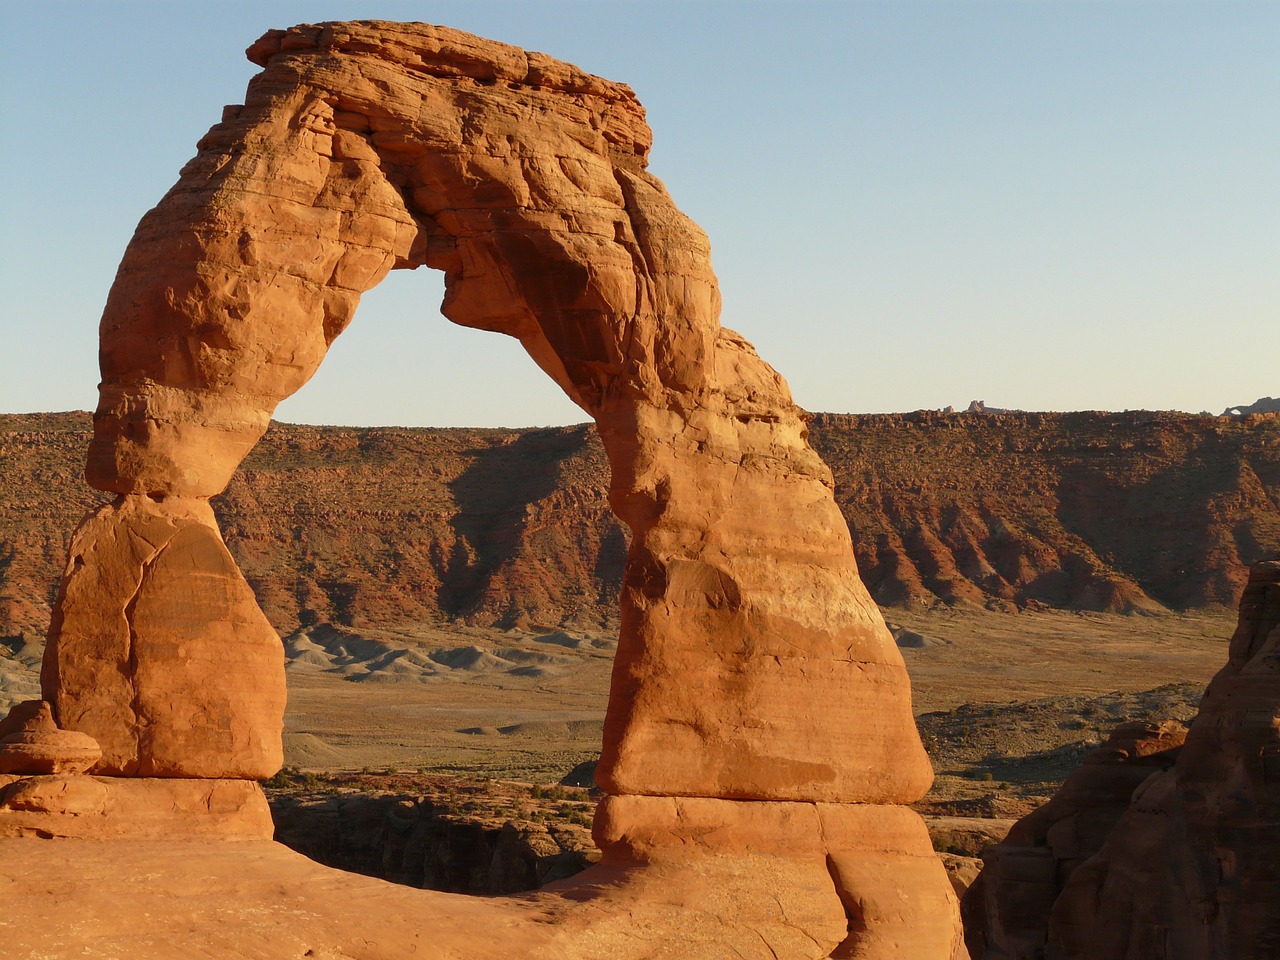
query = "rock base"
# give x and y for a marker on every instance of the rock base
(127, 808)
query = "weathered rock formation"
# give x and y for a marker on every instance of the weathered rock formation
(1007, 909)
(759, 743)
(158, 650)
(1261, 405)
(77, 807)
(37, 746)
(1125, 864)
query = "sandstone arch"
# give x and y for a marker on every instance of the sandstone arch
(752, 665)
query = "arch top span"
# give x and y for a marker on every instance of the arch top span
(368, 146)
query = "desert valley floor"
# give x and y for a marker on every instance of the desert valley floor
(529, 705)
(989, 688)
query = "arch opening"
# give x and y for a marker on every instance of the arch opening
(401, 364)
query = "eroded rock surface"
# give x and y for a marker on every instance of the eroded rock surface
(363, 147)
(759, 742)
(158, 650)
(132, 809)
(35, 745)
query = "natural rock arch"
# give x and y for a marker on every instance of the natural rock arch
(752, 665)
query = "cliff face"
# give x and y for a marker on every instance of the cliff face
(383, 526)
(1121, 512)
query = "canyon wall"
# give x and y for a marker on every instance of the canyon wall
(373, 527)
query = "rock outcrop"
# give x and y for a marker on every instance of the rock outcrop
(1129, 864)
(158, 650)
(1119, 512)
(759, 745)
(1006, 910)
(70, 807)
(1261, 405)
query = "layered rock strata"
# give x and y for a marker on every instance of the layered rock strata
(752, 664)
(390, 527)
(1190, 866)
(132, 808)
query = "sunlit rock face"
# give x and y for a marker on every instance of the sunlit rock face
(752, 665)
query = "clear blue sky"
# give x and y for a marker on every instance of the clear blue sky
(1043, 205)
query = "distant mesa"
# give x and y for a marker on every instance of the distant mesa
(980, 406)
(1261, 405)
(511, 529)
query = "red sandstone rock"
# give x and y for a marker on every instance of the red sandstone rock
(159, 651)
(21, 714)
(39, 747)
(1006, 909)
(843, 880)
(132, 808)
(749, 646)
(752, 665)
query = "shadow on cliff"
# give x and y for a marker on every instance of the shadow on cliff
(516, 503)
(1159, 526)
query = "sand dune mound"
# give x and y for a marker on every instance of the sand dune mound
(354, 657)
(309, 751)
(541, 729)
(362, 659)
(549, 728)
(562, 639)
(911, 640)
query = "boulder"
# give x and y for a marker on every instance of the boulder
(39, 747)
